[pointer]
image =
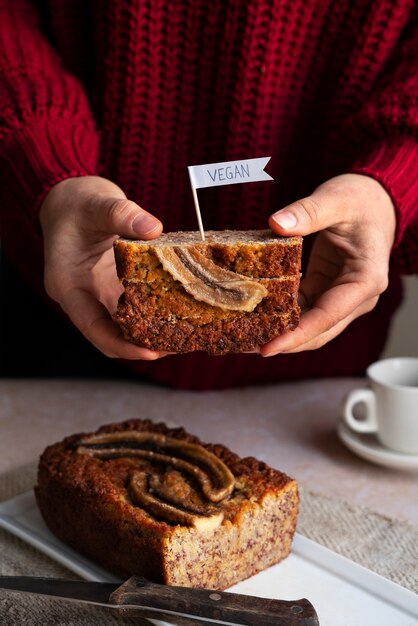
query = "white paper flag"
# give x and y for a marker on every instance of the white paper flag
(225, 173)
(228, 172)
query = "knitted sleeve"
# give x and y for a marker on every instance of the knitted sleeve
(46, 133)
(389, 127)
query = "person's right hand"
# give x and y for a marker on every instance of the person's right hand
(80, 218)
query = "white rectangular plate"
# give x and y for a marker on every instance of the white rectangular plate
(343, 593)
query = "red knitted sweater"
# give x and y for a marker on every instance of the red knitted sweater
(135, 91)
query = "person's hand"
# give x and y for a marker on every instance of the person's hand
(348, 265)
(80, 218)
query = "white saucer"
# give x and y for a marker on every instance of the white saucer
(368, 447)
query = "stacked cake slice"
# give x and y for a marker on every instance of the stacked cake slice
(230, 293)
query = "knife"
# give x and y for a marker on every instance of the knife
(139, 596)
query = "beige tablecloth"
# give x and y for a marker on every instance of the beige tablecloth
(381, 544)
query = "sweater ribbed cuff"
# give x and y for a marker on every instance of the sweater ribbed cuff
(37, 156)
(32, 159)
(394, 163)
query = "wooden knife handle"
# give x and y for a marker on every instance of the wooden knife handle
(205, 605)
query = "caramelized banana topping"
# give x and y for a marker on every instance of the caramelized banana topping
(215, 480)
(208, 282)
(139, 486)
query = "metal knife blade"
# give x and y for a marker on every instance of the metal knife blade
(140, 596)
(77, 590)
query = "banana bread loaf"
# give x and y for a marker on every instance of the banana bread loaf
(143, 498)
(230, 293)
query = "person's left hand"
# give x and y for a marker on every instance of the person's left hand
(348, 265)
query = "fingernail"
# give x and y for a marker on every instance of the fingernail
(286, 220)
(144, 224)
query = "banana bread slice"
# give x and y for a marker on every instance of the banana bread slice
(143, 498)
(230, 293)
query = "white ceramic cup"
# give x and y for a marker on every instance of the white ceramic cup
(391, 404)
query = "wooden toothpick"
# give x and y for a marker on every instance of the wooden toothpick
(198, 214)
(196, 203)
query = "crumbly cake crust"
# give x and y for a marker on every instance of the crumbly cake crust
(86, 502)
(156, 311)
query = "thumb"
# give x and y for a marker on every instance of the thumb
(309, 215)
(120, 216)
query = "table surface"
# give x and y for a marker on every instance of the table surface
(290, 426)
